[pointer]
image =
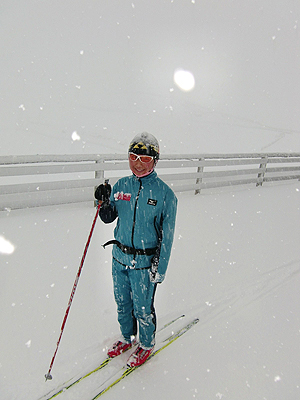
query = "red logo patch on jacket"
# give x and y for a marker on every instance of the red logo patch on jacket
(122, 196)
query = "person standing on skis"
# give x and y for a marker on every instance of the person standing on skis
(145, 209)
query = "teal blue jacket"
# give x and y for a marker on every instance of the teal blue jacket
(145, 209)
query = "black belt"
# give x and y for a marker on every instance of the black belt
(131, 267)
(131, 250)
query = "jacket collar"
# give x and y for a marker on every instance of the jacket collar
(146, 179)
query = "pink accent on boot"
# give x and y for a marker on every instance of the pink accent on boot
(139, 356)
(118, 348)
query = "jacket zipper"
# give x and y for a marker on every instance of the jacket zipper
(134, 214)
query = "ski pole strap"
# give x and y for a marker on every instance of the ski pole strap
(131, 250)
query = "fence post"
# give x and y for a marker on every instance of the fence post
(262, 171)
(199, 179)
(99, 175)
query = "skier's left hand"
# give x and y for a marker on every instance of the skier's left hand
(155, 277)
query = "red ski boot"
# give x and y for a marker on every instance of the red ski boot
(139, 356)
(118, 348)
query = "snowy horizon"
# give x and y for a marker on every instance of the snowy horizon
(202, 76)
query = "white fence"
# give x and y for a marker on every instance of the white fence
(31, 181)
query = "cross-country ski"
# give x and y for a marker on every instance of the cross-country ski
(127, 370)
(74, 381)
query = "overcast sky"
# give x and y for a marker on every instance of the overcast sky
(76, 71)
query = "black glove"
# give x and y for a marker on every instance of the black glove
(102, 193)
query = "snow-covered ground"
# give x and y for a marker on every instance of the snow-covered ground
(235, 265)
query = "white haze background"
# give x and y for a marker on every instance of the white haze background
(84, 77)
(104, 70)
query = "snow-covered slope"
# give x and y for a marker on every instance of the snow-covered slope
(235, 265)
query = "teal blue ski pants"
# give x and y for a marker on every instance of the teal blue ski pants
(134, 295)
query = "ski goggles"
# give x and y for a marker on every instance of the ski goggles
(143, 159)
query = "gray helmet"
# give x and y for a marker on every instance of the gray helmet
(145, 144)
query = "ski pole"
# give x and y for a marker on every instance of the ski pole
(48, 376)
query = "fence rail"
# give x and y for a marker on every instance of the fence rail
(31, 181)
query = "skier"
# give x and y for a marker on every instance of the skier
(145, 209)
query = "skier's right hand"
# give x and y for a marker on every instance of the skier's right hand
(102, 193)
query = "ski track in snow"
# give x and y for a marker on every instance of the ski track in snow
(237, 299)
